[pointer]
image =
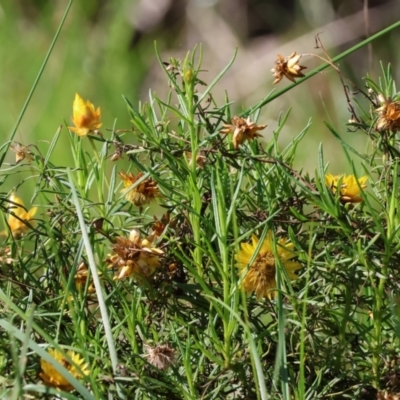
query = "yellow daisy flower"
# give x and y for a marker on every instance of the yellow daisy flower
(17, 222)
(349, 188)
(51, 377)
(260, 277)
(85, 118)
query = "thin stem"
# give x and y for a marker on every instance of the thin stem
(35, 83)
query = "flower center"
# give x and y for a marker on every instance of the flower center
(264, 264)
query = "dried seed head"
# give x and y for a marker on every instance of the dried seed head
(142, 193)
(389, 115)
(160, 356)
(242, 130)
(200, 159)
(21, 152)
(134, 256)
(383, 395)
(288, 67)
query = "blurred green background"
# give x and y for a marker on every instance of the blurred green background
(106, 50)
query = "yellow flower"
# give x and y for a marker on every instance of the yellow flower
(135, 256)
(288, 67)
(242, 130)
(260, 276)
(51, 377)
(389, 115)
(85, 118)
(141, 194)
(17, 223)
(349, 188)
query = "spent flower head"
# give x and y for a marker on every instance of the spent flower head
(135, 256)
(5, 256)
(85, 118)
(160, 356)
(242, 130)
(201, 159)
(159, 225)
(51, 377)
(81, 277)
(18, 222)
(350, 186)
(21, 152)
(143, 192)
(388, 115)
(260, 276)
(288, 67)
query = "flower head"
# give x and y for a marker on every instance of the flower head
(18, 221)
(5, 256)
(135, 256)
(288, 67)
(85, 118)
(159, 225)
(242, 130)
(349, 186)
(260, 276)
(142, 193)
(200, 159)
(389, 115)
(81, 277)
(160, 356)
(21, 152)
(51, 377)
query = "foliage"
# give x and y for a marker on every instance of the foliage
(146, 288)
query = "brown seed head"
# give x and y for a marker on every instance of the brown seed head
(288, 67)
(242, 130)
(200, 159)
(134, 256)
(389, 115)
(160, 356)
(21, 152)
(142, 193)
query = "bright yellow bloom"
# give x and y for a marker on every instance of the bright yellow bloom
(51, 377)
(349, 188)
(17, 223)
(260, 276)
(85, 118)
(135, 256)
(143, 193)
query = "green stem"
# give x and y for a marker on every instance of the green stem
(35, 83)
(391, 194)
(194, 217)
(100, 176)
